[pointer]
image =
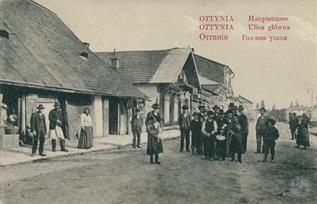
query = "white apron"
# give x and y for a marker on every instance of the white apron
(56, 133)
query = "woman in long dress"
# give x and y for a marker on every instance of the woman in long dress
(154, 145)
(86, 136)
(302, 133)
(236, 139)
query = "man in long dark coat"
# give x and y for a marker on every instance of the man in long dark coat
(244, 124)
(38, 128)
(184, 126)
(261, 126)
(293, 124)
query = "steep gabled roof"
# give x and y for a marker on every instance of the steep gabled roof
(42, 52)
(153, 66)
(210, 69)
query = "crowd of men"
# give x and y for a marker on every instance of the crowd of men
(215, 134)
(212, 133)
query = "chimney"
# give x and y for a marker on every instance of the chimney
(115, 63)
(86, 44)
(4, 34)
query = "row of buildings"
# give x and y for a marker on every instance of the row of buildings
(42, 61)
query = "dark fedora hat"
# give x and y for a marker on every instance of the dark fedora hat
(156, 106)
(57, 104)
(210, 112)
(241, 107)
(40, 106)
(195, 113)
(262, 108)
(231, 104)
(216, 107)
(185, 107)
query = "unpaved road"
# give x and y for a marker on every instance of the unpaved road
(125, 176)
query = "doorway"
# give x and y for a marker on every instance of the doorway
(113, 116)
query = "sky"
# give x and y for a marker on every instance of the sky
(278, 72)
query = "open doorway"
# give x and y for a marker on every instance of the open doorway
(113, 116)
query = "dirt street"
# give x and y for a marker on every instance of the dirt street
(125, 176)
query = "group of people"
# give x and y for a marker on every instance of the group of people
(299, 129)
(215, 134)
(38, 130)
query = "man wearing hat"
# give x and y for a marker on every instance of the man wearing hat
(136, 125)
(209, 130)
(230, 108)
(202, 115)
(222, 124)
(261, 126)
(55, 117)
(184, 126)
(244, 123)
(38, 128)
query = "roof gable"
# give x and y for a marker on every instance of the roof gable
(171, 66)
(44, 52)
(154, 66)
(210, 69)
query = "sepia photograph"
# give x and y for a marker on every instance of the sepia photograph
(158, 101)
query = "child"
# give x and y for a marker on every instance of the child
(196, 133)
(270, 135)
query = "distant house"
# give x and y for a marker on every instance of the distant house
(42, 61)
(168, 77)
(247, 104)
(220, 74)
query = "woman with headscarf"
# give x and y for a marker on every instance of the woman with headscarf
(236, 139)
(86, 136)
(154, 145)
(302, 133)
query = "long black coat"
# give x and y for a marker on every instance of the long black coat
(53, 116)
(236, 139)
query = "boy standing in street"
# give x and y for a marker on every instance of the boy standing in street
(270, 135)
(136, 125)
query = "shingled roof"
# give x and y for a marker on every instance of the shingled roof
(210, 69)
(152, 66)
(42, 52)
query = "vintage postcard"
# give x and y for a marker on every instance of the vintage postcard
(158, 102)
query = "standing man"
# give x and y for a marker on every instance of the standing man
(293, 124)
(201, 116)
(221, 148)
(56, 133)
(136, 125)
(209, 130)
(216, 110)
(244, 124)
(261, 126)
(184, 126)
(231, 108)
(38, 128)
